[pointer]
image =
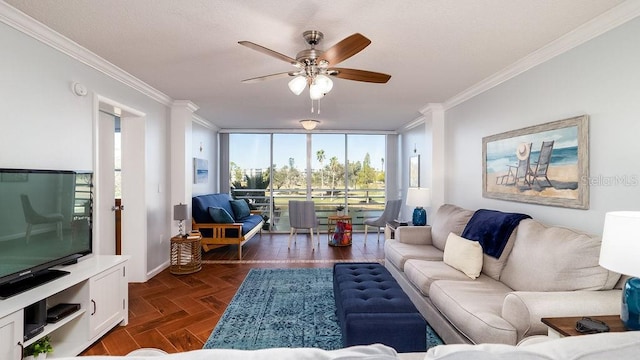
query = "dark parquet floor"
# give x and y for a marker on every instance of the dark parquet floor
(178, 312)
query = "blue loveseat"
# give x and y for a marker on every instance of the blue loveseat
(224, 221)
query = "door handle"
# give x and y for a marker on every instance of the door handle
(117, 208)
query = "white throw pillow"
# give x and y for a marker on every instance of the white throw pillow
(464, 255)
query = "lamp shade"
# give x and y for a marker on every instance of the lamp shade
(419, 197)
(180, 212)
(620, 248)
(619, 252)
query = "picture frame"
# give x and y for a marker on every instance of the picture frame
(200, 171)
(414, 171)
(544, 164)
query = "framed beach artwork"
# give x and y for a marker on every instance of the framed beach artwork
(545, 164)
(200, 171)
(414, 171)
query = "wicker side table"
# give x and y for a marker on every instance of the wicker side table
(186, 256)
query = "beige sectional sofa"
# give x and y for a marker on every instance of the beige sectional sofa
(543, 271)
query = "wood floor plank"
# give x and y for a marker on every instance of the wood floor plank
(178, 312)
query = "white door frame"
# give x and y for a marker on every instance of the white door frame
(134, 216)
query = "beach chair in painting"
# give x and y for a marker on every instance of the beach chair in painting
(522, 171)
(539, 169)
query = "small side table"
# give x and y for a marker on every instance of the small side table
(332, 221)
(186, 256)
(390, 229)
(566, 326)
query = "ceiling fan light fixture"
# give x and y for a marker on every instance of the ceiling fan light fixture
(297, 84)
(315, 92)
(309, 124)
(325, 83)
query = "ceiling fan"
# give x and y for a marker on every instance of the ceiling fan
(313, 65)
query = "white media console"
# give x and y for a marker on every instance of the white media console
(98, 284)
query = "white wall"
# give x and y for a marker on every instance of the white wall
(46, 126)
(412, 142)
(600, 78)
(205, 146)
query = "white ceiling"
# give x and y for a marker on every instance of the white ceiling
(434, 50)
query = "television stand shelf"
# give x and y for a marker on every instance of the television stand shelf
(98, 284)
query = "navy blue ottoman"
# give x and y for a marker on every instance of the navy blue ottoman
(372, 308)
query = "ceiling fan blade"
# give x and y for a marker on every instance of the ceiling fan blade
(271, 53)
(345, 49)
(359, 75)
(269, 77)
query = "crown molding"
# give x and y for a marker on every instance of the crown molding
(431, 108)
(31, 27)
(197, 119)
(412, 124)
(599, 25)
(188, 104)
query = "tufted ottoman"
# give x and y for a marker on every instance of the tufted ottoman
(372, 308)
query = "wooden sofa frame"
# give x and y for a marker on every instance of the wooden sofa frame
(219, 239)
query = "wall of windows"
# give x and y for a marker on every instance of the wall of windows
(331, 169)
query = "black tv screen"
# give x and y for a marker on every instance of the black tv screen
(45, 220)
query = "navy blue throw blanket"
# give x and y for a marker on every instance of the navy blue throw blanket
(492, 229)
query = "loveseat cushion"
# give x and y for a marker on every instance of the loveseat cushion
(240, 209)
(250, 222)
(552, 258)
(398, 253)
(220, 215)
(493, 267)
(448, 219)
(363, 352)
(422, 273)
(619, 346)
(475, 307)
(464, 255)
(200, 206)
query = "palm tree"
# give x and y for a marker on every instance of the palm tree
(333, 166)
(321, 156)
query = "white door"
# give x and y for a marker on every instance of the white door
(134, 221)
(105, 198)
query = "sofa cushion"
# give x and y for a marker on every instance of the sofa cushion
(493, 267)
(220, 215)
(240, 209)
(422, 273)
(363, 352)
(464, 255)
(200, 206)
(448, 219)
(552, 258)
(398, 253)
(250, 222)
(475, 307)
(624, 345)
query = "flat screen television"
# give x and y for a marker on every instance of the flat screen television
(45, 221)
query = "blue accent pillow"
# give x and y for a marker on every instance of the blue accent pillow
(220, 215)
(240, 209)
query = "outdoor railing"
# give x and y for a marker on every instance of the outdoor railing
(361, 204)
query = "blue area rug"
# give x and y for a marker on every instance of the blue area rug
(283, 308)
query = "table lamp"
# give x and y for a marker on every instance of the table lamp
(420, 198)
(620, 252)
(180, 214)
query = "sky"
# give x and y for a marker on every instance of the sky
(251, 151)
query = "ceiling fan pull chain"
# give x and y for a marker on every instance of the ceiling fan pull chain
(312, 106)
(318, 106)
